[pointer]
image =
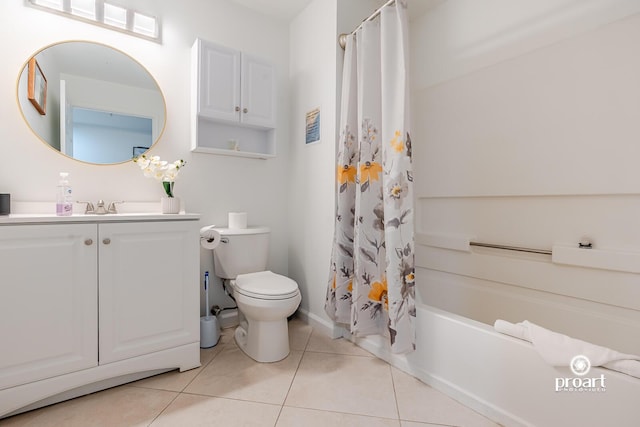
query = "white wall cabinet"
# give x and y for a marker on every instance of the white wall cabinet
(258, 92)
(82, 303)
(234, 102)
(218, 81)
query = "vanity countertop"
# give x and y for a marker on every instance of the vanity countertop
(44, 213)
(81, 218)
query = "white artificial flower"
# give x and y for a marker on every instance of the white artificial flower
(153, 167)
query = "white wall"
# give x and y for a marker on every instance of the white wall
(211, 185)
(526, 134)
(315, 76)
(312, 72)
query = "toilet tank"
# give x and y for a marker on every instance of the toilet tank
(241, 251)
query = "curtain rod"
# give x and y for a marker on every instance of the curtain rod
(342, 38)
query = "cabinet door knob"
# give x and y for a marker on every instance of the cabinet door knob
(237, 108)
(106, 241)
(88, 242)
(245, 110)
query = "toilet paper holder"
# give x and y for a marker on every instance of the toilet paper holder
(210, 238)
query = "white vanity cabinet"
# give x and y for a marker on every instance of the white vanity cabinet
(87, 303)
(234, 102)
(48, 301)
(148, 301)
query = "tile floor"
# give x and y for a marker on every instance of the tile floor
(322, 382)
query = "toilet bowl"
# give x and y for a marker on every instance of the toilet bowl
(265, 300)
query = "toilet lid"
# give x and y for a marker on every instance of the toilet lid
(266, 285)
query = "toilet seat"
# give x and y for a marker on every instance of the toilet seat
(266, 285)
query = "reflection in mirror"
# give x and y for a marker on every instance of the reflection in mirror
(102, 106)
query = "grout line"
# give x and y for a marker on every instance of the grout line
(202, 368)
(333, 411)
(187, 385)
(368, 356)
(294, 377)
(395, 395)
(397, 418)
(164, 409)
(304, 350)
(279, 413)
(208, 396)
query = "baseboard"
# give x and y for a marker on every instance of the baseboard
(228, 318)
(88, 389)
(44, 392)
(326, 326)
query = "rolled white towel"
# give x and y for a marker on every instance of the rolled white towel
(558, 349)
(629, 367)
(516, 330)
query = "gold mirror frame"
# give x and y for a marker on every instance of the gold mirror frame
(24, 101)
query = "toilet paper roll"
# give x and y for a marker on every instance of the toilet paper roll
(237, 220)
(209, 237)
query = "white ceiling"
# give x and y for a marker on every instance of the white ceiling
(281, 9)
(288, 9)
(418, 8)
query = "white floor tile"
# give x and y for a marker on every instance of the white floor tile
(322, 343)
(295, 417)
(176, 380)
(116, 407)
(419, 402)
(195, 411)
(343, 383)
(299, 333)
(234, 375)
(322, 382)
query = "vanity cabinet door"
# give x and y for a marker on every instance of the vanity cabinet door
(219, 82)
(48, 301)
(148, 287)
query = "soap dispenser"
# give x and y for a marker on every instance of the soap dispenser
(64, 203)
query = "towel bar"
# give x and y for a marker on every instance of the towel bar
(511, 248)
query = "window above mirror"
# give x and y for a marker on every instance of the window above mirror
(105, 14)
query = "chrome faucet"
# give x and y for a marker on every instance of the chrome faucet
(100, 209)
(112, 207)
(89, 209)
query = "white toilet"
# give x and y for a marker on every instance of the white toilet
(264, 299)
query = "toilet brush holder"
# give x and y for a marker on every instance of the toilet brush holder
(209, 326)
(209, 331)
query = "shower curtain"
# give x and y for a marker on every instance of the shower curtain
(372, 278)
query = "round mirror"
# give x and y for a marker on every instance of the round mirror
(91, 102)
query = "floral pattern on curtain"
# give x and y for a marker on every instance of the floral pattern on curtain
(372, 279)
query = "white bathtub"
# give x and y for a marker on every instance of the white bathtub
(459, 352)
(504, 378)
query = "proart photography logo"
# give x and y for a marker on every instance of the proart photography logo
(580, 366)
